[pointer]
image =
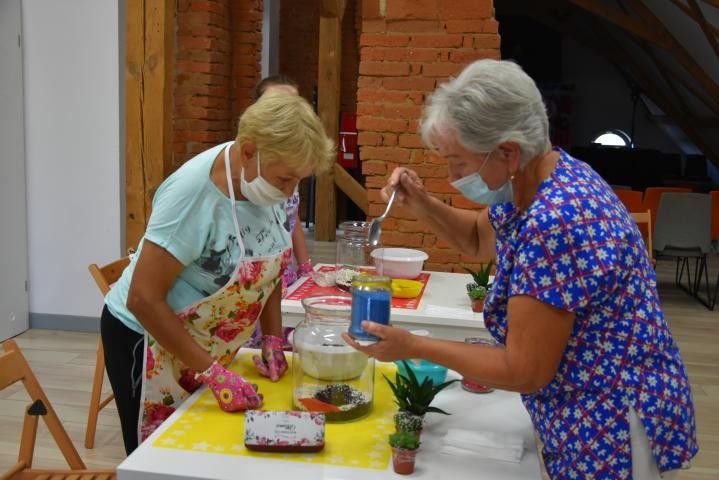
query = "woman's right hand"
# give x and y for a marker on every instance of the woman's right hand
(411, 194)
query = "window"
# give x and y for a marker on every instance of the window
(614, 138)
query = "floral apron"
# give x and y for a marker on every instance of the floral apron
(220, 323)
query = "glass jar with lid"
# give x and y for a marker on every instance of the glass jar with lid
(327, 374)
(353, 252)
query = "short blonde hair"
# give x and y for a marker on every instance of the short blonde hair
(285, 129)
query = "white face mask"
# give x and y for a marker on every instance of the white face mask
(476, 189)
(259, 191)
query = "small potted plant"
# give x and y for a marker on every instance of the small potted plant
(478, 289)
(408, 422)
(404, 450)
(414, 397)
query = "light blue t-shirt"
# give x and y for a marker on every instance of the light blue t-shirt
(192, 219)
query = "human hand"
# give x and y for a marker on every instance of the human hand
(305, 268)
(233, 393)
(394, 343)
(411, 194)
(273, 363)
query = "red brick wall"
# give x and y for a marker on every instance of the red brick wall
(406, 50)
(217, 55)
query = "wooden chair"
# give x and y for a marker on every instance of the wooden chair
(644, 222)
(104, 277)
(14, 368)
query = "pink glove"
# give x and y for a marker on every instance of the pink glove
(273, 363)
(305, 268)
(232, 392)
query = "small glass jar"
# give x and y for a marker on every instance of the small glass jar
(371, 300)
(328, 375)
(353, 252)
(471, 385)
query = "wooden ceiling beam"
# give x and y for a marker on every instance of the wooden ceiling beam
(622, 20)
(686, 9)
(646, 82)
(702, 21)
(699, 94)
(624, 60)
(677, 49)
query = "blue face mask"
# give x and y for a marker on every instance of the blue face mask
(476, 189)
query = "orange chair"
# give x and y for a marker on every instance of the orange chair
(651, 199)
(104, 277)
(14, 368)
(631, 199)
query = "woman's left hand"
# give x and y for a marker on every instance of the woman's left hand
(395, 343)
(273, 363)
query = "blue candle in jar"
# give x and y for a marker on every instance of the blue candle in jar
(371, 300)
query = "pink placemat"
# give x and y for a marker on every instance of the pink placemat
(308, 288)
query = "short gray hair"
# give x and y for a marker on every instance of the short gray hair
(490, 102)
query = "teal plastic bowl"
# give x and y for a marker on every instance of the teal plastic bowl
(425, 369)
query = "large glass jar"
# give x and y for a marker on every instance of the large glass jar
(353, 252)
(327, 374)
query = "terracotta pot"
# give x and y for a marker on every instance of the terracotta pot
(477, 305)
(403, 460)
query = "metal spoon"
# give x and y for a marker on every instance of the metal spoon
(375, 230)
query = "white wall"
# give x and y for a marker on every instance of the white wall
(602, 100)
(72, 144)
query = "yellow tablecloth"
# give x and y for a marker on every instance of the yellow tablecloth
(362, 443)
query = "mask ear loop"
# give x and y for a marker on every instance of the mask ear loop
(231, 189)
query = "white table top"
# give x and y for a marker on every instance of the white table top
(498, 411)
(444, 310)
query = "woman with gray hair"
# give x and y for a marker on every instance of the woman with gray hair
(574, 305)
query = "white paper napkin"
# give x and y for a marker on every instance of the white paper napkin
(491, 445)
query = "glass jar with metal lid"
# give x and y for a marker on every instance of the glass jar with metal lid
(371, 300)
(328, 375)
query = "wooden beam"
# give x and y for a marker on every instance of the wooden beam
(328, 106)
(686, 9)
(677, 49)
(148, 119)
(353, 189)
(713, 3)
(620, 57)
(699, 17)
(699, 94)
(621, 19)
(333, 8)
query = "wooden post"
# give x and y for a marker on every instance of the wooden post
(328, 106)
(148, 122)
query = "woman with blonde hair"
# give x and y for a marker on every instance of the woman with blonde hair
(209, 267)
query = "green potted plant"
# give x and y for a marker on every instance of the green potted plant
(478, 289)
(404, 450)
(408, 422)
(414, 397)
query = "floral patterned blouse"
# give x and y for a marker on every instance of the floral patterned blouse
(577, 248)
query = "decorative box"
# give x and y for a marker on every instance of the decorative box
(284, 431)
